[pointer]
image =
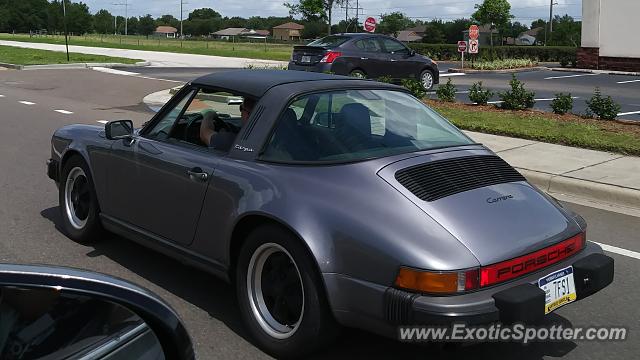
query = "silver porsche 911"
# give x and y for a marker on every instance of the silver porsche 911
(335, 201)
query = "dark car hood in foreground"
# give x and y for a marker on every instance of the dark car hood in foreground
(495, 222)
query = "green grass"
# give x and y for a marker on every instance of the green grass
(250, 50)
(542, 128)
(20, 56)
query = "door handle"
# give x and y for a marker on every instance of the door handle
(197, 174)
(363, 58)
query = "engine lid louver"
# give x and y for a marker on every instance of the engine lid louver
(441, 178)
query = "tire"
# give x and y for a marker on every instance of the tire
(78, 202)
(426, 78)
(280, 257)
(358, 74)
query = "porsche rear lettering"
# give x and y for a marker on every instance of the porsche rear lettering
(498, 199)
(527, 265)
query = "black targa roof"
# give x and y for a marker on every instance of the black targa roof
(256, 83)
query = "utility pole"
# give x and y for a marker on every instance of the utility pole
(346, 17)
(547, 34)
(126, 19)
(357, 16)
(181, 16)
(64, 19)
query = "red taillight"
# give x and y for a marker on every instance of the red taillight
(519, 266)
(471, 280)
(330, 56)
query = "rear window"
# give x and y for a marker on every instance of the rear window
(330, 41)
(353, 125)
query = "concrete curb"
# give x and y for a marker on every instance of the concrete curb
(590, 71)
(588, 190)
(504, 71)
(73, 66)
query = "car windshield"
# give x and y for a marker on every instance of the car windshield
(352, 125)
(329, 41)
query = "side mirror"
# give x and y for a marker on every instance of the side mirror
(119, 129)
(412, 53)
(55, 312)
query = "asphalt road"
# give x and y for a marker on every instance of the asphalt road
(624, 89)
(29, 233)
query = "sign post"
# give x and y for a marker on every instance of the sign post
(462, 48)
(370, 24)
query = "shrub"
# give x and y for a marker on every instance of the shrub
(517, 98)
(603, 107)
(416, 87)
(385, 79)
(478, 94)
(447, 92)
(562, 103)
(538, 53)
(564, 61)
(504, 64)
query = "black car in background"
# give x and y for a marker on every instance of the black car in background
(365, 55)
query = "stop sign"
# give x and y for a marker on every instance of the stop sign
(370, 24)
(474, 32)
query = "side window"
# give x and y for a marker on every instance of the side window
(369, 45)
(393, 46)
(162, 129)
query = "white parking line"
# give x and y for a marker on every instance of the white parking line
(629, 113)
(452, 74)
(114, 71)
(548, 99)
(619, 251)
(27, 102)
(64, 112)
(568, 76)
(1, 95)
(102, 121)
(628, 81)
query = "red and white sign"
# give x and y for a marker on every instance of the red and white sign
(474, 45)
(474, 32)
(370, 24)
(462, 46)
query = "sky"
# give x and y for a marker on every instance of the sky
(524, 11)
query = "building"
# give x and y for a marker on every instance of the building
(609, 35)
(229, 33)
(485, 35)
(408, 36)
(166, 31)
(288, 32)
(528, 37)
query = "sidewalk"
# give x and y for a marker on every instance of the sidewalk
(593, 176)
(155, 58)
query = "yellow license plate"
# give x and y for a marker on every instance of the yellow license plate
(559, 289)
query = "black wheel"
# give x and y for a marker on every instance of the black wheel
(78, 202)
(426, 78)
(358, 74)
(281, 295)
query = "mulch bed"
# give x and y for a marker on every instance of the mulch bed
(616, 126)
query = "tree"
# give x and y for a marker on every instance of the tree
(133, 25)
(434, 33)
(314, 10)
(79, 19)
(168, 20)
(566, 31)
(146, 25)
(495, 13)
(393, 23)
(103, 22)
(454, 29)
(204, 14)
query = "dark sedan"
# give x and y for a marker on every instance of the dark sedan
(365, 55)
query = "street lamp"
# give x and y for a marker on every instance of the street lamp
(64, 20)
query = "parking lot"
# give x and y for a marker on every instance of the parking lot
(35, 103)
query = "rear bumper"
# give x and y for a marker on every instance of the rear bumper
(319, 67)
(381, 309)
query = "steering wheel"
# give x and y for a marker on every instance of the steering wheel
(193, 119)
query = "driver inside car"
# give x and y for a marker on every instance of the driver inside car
(215, 134)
